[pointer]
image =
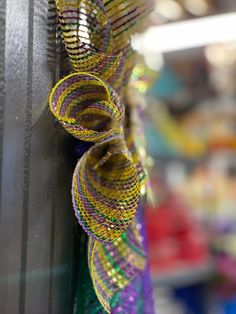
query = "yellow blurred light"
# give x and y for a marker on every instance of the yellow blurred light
(169, 9)
(143, 190)
(154, 60)
(197, 7)
(150, 161)
(221, 55)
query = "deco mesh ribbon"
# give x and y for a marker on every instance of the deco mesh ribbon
(105, 187)
(89, 104)
(135, 298)
(114, 265)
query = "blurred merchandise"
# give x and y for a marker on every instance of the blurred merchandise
(188, 91)
(176, 240)
(181, 9)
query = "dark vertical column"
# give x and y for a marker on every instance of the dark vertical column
(14, 155)
(2, 80)
(36, 219)
(2, 103)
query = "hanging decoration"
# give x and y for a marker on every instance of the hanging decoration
(91, 105)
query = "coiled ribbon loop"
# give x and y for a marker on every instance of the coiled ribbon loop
(106, 187)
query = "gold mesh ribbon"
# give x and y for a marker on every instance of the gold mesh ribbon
(114, 265)
(89, 104)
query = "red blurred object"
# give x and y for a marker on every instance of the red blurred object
(175, 239)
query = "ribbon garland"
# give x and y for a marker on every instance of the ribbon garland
(89, 104)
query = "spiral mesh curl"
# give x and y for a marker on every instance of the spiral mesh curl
(89, 104)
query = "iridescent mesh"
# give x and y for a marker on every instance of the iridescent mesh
(90, 105)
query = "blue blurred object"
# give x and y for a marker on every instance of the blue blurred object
(167, 85)
(194, 298)
(229, 306)
(156, 143)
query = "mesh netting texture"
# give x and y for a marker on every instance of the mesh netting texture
(90, 104)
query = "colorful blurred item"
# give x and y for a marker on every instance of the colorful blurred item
(221, 60)
(184, 143)
(210, 189)
(143, 77)
(210, 126)
(191, 122)
(173, 10)
(176, 240)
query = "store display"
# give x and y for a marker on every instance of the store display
(118, 156)
(190, 131)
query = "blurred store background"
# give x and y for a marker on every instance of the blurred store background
(189, 79)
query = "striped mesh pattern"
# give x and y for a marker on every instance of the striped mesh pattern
(89, 104)
(113, 266)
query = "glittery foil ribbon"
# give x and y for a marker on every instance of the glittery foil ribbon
(89, 104)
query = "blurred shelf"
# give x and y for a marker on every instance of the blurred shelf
(185, 276)
(192, 160)
(180, 158)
